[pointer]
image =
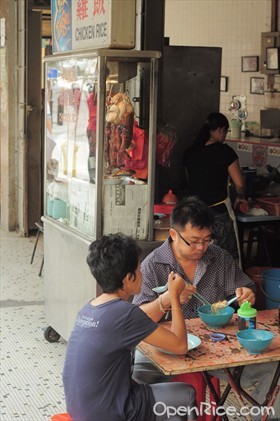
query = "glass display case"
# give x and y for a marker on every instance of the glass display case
(100, 130)
(98, 142)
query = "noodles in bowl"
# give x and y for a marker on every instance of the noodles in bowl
(216, 307)
(219, 319)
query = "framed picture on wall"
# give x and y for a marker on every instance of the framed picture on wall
(224, 84)
(250, 64)
(272, 58)
(257, 85)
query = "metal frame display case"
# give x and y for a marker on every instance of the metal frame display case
(99, 167)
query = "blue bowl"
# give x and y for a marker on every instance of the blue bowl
(211, 319)
(254, 340)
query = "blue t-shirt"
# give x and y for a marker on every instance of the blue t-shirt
(97, 368)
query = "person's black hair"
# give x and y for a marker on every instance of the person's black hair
(192, 210)
(111, 258)
(214, 121)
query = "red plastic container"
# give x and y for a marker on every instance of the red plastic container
(163, 208)
(271, 205)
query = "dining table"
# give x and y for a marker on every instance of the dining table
(227, 355)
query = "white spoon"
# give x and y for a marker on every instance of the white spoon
(231, 300)
(160, 290)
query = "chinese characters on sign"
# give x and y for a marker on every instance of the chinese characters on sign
(98, 7)
(82, 10)
(79, 24)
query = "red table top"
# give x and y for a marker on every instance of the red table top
(211, 355)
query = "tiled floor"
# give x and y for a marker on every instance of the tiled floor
(30, 382)
(30, 372)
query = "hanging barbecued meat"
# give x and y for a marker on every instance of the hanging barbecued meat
(119, 130)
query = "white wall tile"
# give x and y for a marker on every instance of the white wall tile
(234, 25)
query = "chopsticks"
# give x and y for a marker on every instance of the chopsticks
(201, 298)
(161, 289)
(198, 295)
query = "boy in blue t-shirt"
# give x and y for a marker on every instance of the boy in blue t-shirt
(97, 371)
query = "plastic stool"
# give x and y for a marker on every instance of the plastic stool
(198, 382)
(40, 230)
(61, 417)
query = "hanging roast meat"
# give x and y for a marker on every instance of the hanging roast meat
(119, 130)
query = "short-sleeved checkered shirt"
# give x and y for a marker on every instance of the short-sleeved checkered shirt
(216, 276)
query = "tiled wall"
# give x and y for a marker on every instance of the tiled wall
(234, 25)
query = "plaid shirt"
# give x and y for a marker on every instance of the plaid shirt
(216, 276)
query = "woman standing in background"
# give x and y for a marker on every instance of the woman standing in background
(209, 164)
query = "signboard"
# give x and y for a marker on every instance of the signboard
(84, 24)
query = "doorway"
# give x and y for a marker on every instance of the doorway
(38, 31)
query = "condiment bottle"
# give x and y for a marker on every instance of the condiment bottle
(247, 316)
(170, 198)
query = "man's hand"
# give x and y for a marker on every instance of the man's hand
(245, 294)
(187, 293)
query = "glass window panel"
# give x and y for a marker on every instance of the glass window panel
(71, 142)
(125, 154)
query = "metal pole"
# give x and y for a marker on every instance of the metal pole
(152, 145)
(101, 98)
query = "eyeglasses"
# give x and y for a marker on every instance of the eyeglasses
(195, 244)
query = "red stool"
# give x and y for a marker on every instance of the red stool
(61, 417)
(198, 382)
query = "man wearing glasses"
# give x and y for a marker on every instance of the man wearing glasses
(208, 270)
(189, 251)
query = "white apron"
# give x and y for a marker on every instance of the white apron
(231, 213)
